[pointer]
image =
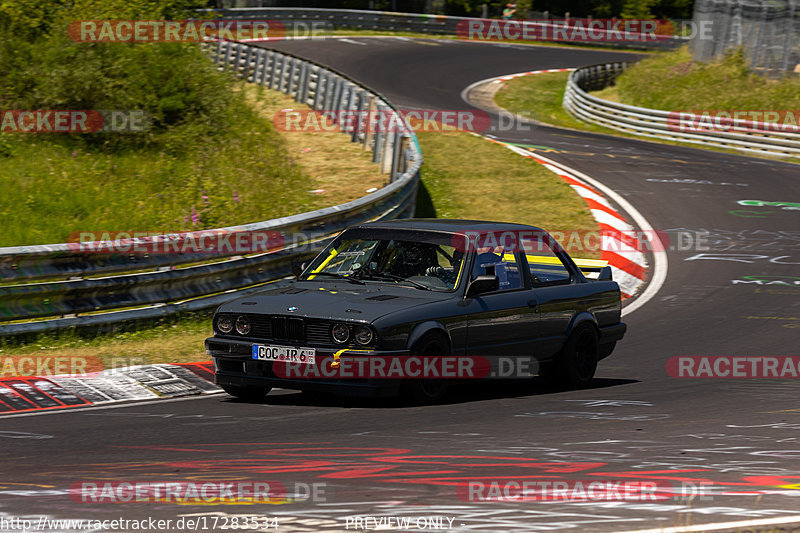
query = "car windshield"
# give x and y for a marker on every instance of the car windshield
(426, 261)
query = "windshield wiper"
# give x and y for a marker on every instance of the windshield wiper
(335, 275)
(393, 277)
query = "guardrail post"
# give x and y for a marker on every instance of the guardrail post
(302, 84)
(397, 152)
(218, 59)
(228, 51)
(322, 81)
(294, 86)
(389, 139)
(247, 57)
(283, 83)
(349, 94)
(336, 104)
(265, 70)
(378, 134)
(274, 74)
(360, 118)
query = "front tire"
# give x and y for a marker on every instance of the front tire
(249, 393)
(574, 367)
(427, 391)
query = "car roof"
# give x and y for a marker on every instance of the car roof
(448, 225)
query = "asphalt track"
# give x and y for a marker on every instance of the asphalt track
(739, 439)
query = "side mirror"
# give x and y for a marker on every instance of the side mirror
(298, 268)
(482, 284)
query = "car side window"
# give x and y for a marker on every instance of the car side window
(545, 266)
(505, 265)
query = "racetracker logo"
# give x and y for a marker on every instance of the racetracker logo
(42, 366)
(354, 366)
(194, 492)
(573, 241)
(170, 31)
(73, 121)
(573, 30)
(564, 491)
(213, 242)
(735, 120)
(734, 367)
(385, 120)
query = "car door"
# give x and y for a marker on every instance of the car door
(501, 324)
(557, 297)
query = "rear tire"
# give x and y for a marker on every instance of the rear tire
(427, 391)
(575, 365)
(250, 393)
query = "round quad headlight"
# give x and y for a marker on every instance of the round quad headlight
(340, 333)
(363, 335)
(243, 325)
(225, 323)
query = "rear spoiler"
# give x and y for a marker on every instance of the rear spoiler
(594, 269)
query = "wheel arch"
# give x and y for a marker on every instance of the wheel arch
(428, 327)
(583, 317)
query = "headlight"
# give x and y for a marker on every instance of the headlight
(363, 335)
(224, 323)
(242, 325)
(340, 333)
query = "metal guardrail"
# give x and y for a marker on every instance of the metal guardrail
(741, 135)
(303, 21)
(168, 282)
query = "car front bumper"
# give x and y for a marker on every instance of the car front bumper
(234, 366)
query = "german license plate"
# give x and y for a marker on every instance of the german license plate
(303, 356)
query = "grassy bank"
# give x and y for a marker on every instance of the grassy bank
(247, 172)
(487, 181)
(672, 81)
(668, 81)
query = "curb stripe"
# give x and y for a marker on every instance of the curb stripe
(628, 265)
(143, 382)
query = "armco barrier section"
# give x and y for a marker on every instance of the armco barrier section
(741, 135)
(304, 22)
(170, 282)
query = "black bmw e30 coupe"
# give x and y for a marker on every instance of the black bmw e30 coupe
(403, 306)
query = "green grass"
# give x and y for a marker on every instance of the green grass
(668, 81)
(672, 81)
(52, 188)
(489, 182)
(540, 96)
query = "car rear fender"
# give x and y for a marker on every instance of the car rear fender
(580, 318)
(425, 327)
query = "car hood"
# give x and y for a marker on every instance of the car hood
(333, 300)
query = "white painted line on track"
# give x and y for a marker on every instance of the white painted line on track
(723, 525)
(350, 41)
